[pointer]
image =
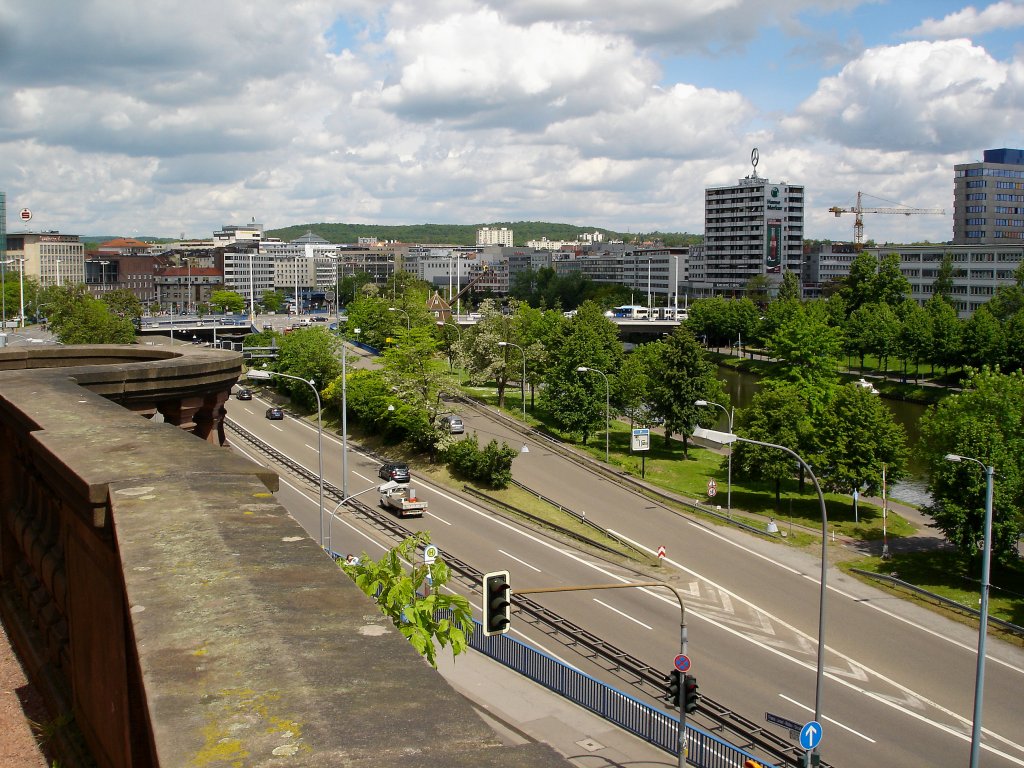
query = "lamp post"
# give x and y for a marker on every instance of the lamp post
(346, 498)
(986, 557)
(408, 322)
(264, 375)
(607, 409)
(813, 757)
(522, 384)
(21, 288)
(729, 414)
(442, 324)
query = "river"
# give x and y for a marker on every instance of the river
(741, 388)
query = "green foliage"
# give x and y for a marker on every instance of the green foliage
(272, 301)
(806, 344)
(227, 301)
(777, 414)
(123, 303)
(545, 288)
(309, 354)
(77, 318)
(943, 285)
(417, 379)
(789, 288)
(983, 422)
(491, 466)
(396, 592)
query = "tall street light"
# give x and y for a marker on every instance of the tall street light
(730, 413)
(408, 322)
(986, 557)
(607, 408)
(264, 375)
(344, 414)
(522, 384)
(728, 437)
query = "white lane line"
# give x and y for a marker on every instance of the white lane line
(521, 562)
(796, 703)
(311, 447)
(623, 615)
(277, 427)
(428, 513)
(831, 676)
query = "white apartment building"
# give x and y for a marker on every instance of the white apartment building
(753, 227)
(657, 276)
(494, 236)
(50, 257)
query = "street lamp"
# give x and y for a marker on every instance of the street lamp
(522, 384)
(729, 437)
(986, 557)
(408, 322)
(730, 413)
(264, 375)
(345, 499)
(607, 410)
(442, 324)
(344, 415)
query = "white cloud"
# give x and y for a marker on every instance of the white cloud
(971, 22)
(926, 97)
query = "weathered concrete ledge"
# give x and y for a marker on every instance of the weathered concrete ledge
(156, 590)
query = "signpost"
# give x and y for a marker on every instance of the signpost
(26, 215)
(791, 725)
(642, 443)
(661, 552)
(810, 738)
(682, 662)
(712, 487)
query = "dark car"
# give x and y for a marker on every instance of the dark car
(243, 394)
(274, 413)
(319, 319)
(453, 424)
(395, 470)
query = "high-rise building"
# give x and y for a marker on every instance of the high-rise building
(494, 236)
(988, 199)
(754, 227)
(50, 257)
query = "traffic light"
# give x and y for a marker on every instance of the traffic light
(751, 763)
(497, 603)
(690, 694)
(675, 687)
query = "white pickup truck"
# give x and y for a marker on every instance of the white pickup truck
(402, 500)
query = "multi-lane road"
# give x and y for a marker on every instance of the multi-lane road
(899, 680)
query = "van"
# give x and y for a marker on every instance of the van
(453, 424)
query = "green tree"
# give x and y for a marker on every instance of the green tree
(77, 318)
(808, 347)
(633, 394)
(946, 334)
(488, 359)
(685, 377)
(123, 303)
(855, 435)
(915, 336)
(890, 285)
(272, 301)
(943, 283)
(859, 285)
(377, 326)
(777, 414)
(227, 301)
(983, 339)
(884, 332)
(310, 354)
(418, 379)
(982, 422)
(789, 288)
(396, 592)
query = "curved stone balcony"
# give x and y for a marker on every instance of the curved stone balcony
(169, 610)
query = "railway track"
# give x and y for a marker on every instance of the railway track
(645, 680)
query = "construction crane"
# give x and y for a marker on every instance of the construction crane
(859, 210)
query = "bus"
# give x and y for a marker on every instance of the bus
(629, 312)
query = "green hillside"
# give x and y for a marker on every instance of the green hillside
(465, 234)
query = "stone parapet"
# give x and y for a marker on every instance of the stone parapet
(157, 593)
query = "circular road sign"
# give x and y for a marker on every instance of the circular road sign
(682, 663)
(26, 214)
(712, 487)
(429, 554)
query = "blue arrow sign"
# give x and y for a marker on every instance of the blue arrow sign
(810, 735)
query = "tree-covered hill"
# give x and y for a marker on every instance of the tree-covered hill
(465, 234)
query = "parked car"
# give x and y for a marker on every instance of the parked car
(319, 319)
(243, 393)
(268, 326)
(453, 424)
(394, 470)
(274, 413)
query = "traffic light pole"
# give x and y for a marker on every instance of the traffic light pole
(682, 637)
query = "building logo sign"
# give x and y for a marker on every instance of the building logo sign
(774, 201)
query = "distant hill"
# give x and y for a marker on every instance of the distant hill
(465, 234)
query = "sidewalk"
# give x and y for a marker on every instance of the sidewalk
(521, 711)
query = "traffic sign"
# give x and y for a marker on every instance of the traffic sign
(791, 725)
(810, 735)
(26, 214)
(429, 554)
(712, 487)
(661, 552)
(682, 662)
(641, 439)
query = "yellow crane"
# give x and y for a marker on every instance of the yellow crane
(859, 210)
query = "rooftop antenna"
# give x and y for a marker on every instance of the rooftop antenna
(753, 161)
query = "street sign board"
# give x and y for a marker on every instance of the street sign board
(682, 662)
(810, 735)
(712, 487)
(429, 554)
(641, 439)
(661, 552)
(26, 214)
(790, 725)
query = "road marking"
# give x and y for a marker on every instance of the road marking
(521, 562)
(277, 427)
(829, 719)
(623, 615)
(428, 513)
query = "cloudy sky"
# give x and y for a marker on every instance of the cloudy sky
(163, 118)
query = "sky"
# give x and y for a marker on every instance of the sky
(172, 119)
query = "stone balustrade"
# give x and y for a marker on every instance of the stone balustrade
(169, 610)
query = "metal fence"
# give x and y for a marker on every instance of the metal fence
(642, 720)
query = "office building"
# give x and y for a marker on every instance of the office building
(988, 199)
(751, 228)
(50, 257)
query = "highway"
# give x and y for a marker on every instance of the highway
(899, 679)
